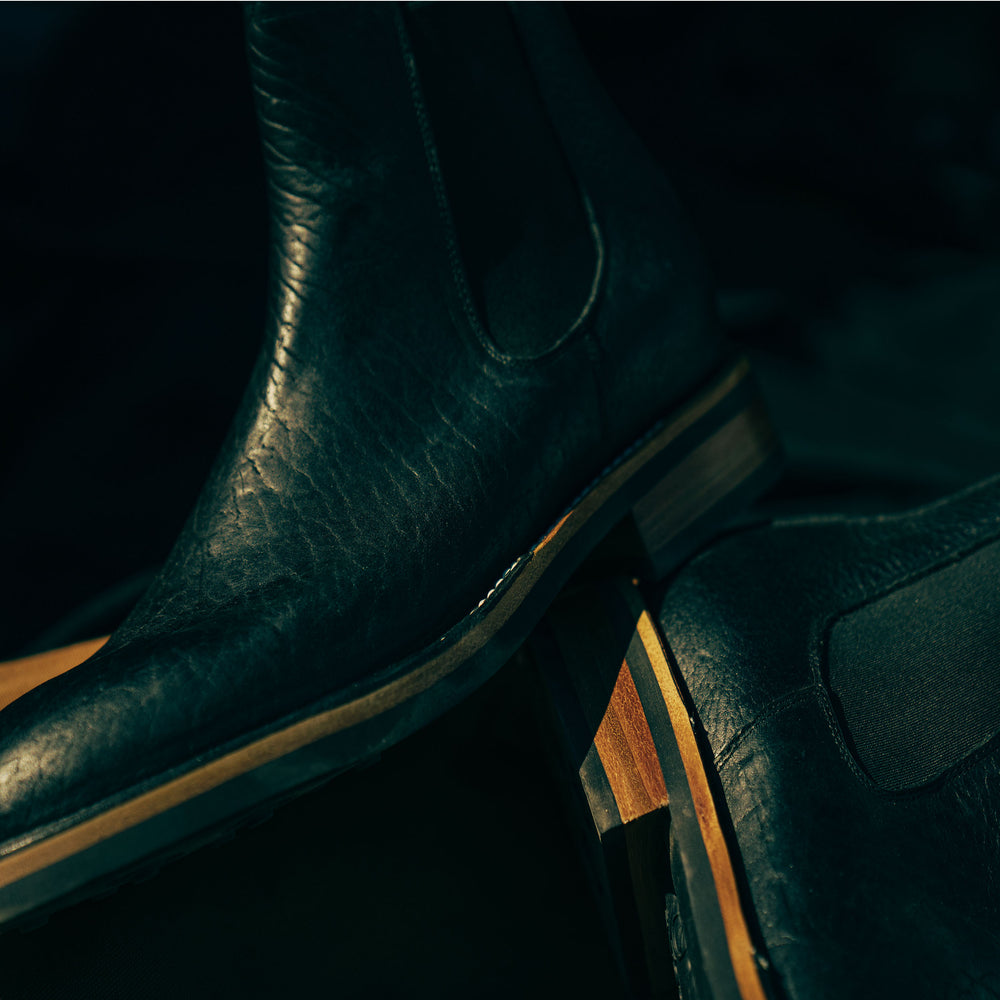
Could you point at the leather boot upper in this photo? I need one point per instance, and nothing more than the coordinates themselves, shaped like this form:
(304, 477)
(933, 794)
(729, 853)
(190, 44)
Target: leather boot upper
(389, 462)
(837, 672)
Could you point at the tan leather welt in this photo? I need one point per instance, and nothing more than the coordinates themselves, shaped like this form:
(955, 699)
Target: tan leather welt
(25, 860)
(742, 953)
(628, 754)
(18, 677)
(34, 857)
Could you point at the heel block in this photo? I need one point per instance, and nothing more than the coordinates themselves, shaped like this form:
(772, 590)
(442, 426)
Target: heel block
(729, 467)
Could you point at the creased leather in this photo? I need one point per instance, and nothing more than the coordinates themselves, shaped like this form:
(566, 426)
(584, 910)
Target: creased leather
(387, 463)
(858, 893)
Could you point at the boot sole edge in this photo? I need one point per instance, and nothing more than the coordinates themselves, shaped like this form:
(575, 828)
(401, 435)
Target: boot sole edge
(704, 457)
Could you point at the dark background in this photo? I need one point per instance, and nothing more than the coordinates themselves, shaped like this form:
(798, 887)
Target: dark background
(842, 163)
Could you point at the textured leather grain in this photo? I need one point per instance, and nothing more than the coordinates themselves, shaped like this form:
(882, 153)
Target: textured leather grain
(858, 891)
(388, 462)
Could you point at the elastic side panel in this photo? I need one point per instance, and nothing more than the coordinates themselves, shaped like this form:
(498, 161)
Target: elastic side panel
(917, 672)
(524, 236)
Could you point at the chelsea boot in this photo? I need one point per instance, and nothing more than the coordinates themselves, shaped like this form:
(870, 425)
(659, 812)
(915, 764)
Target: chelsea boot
(489, 341)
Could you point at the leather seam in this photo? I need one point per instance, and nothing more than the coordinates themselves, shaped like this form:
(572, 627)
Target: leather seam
(819, 643)
(459, 276)
(775, 707)
(873, 594)
(437, 181)
(817, 657)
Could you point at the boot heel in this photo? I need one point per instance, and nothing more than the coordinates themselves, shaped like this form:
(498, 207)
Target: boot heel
(730, 466)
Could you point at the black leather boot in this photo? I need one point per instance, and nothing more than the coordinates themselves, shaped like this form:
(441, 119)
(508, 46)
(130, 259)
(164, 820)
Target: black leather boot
(822, 701)
(444, 420)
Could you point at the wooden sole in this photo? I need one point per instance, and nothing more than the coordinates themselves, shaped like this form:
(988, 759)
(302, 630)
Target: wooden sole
(628, 750)
(715, 448)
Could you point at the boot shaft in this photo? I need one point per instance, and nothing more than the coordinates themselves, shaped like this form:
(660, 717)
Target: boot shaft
(468, 148)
